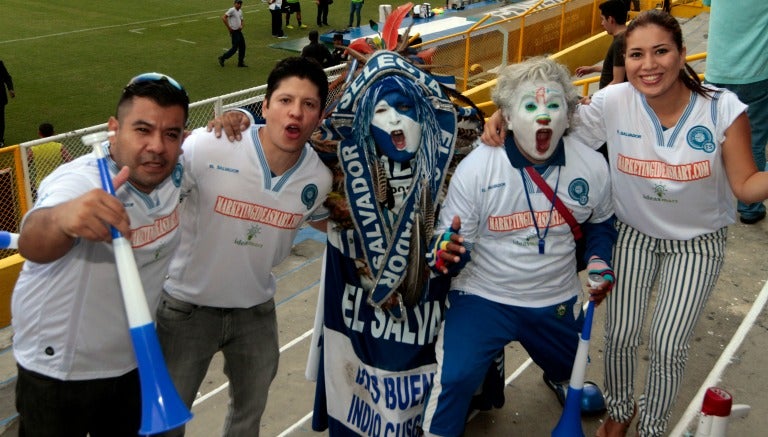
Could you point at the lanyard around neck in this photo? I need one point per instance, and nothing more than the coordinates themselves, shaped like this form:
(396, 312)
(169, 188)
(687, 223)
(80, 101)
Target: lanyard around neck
(533, 213)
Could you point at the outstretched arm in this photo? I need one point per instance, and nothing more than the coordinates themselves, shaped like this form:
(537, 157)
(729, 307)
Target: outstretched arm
(49, 233)
(587, 69)
(748, 184)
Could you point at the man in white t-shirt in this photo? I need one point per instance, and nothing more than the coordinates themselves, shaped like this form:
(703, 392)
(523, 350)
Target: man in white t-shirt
(240, 212)
(77, 371)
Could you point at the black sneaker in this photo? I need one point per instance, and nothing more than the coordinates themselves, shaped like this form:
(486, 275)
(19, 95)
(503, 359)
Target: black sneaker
(559, 388)
(241, 65)
(592, 401)
(221, 61)
(751, 220)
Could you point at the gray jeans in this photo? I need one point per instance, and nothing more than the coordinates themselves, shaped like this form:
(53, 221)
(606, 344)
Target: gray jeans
(190, 335)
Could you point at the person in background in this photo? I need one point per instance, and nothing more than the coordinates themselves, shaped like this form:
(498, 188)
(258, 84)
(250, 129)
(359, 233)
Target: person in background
(322, 12)
(355, 8)
(633, 5)
(613, 18)
(317, 51)
(251, 201)
(44, 158)
(680, 155)
(233, 19)
(736, 60)
(293, 6)
(521, 283)
(77, 371)
(5, 82)
(276, 11)
(339, 53)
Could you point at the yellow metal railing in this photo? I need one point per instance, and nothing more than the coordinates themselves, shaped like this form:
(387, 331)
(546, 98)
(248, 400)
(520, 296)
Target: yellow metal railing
(496, 39)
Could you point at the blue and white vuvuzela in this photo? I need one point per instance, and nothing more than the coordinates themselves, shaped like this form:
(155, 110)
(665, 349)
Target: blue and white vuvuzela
(9, 240)
(569, 424)
(161, 407)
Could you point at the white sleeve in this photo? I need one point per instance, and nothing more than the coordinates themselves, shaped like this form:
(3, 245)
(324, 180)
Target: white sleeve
(588, 126)
(603, 210)
(728, 109)
(62, 185)
(187, 159)
(461, 201)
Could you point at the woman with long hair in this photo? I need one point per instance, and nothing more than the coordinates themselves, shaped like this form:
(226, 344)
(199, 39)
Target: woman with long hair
(679, 155)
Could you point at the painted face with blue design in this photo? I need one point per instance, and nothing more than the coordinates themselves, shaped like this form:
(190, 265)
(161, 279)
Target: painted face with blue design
(538, 118)
(395, 127)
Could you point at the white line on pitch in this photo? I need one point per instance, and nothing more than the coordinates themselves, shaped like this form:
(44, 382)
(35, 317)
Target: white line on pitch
(186, 41)
(114, 26)
(296, 425)
(218, 389)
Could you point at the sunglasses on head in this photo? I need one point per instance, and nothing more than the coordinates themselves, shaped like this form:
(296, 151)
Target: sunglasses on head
(155, 77)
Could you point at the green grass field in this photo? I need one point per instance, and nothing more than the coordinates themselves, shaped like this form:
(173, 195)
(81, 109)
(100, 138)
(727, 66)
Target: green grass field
(70, 58)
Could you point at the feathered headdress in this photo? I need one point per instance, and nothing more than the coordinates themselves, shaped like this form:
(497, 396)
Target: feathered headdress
(390, 242)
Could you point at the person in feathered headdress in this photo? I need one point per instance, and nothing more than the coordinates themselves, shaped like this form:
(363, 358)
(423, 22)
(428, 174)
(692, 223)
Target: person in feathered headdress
(393, 135)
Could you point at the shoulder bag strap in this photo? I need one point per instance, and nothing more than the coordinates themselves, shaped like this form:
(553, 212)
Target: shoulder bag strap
(547, 190)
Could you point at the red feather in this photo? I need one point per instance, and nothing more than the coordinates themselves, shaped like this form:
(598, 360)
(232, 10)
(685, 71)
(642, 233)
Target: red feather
(392, 25)
(361, 46)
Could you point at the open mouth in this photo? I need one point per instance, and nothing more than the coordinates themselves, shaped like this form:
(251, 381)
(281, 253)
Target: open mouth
(398, 139)
(293, 131)
(651, 79)
(543, 140)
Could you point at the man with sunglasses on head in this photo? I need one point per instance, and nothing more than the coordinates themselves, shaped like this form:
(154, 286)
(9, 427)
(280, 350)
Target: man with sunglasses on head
(77, 372)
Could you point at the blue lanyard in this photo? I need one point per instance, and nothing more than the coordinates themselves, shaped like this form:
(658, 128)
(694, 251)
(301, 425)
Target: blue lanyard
(533, 214)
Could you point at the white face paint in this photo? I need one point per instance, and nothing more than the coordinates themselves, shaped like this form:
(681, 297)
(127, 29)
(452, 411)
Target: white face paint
(538, 117)
(394, 126)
